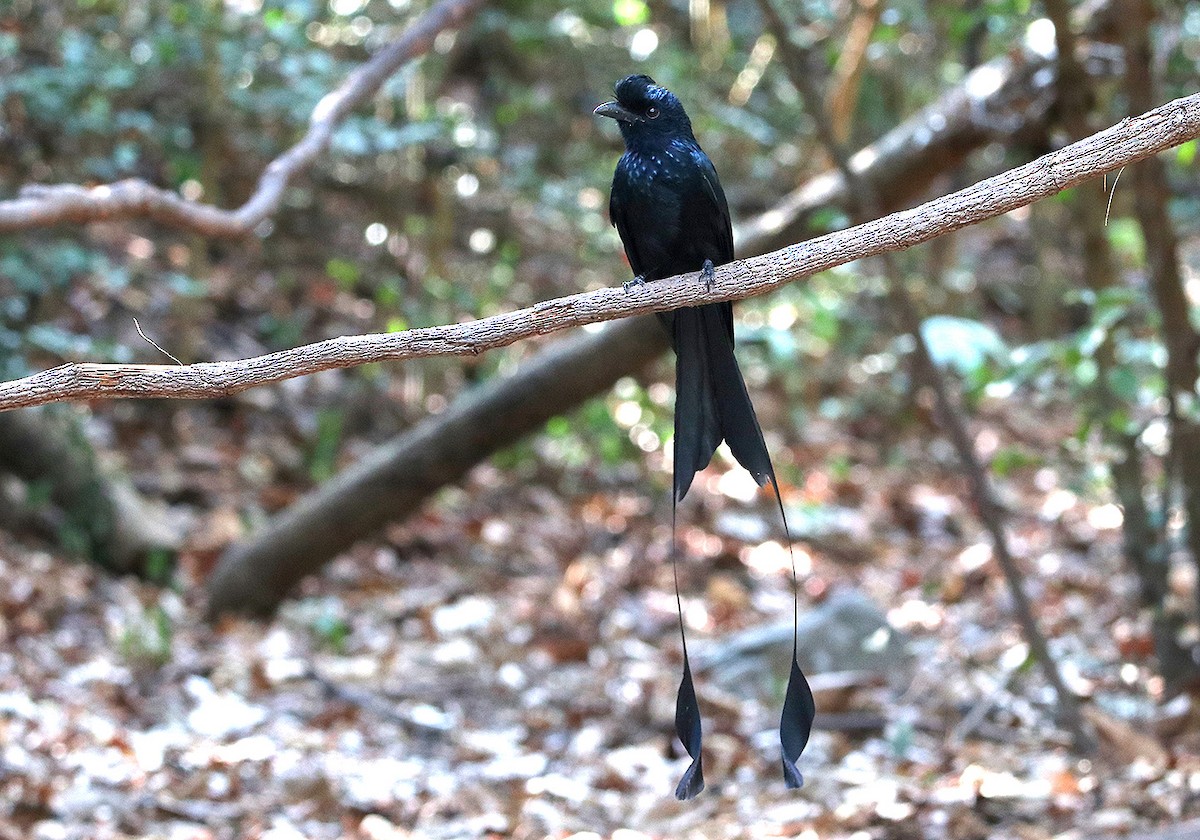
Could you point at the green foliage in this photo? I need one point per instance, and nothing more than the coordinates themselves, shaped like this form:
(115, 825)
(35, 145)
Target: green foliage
(1071, 365)
(962, 344)
(630, 12)
(145, 638)
(1185, 155)
(345, 272)
(323, 460)
(901, 736)
(1125, 236)
(36, 273)
(332, 631)
(160, 566)
(1009, 459)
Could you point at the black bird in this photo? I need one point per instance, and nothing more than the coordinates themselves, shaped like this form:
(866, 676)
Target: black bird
(669, 208)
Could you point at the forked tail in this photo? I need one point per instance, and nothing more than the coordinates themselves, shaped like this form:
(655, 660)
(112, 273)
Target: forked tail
(711, 405)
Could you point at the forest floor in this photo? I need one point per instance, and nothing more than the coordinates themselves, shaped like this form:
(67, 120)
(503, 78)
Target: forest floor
(505, 663)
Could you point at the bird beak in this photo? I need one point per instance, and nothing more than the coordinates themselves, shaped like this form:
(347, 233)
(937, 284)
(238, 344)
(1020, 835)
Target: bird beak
(616, 111)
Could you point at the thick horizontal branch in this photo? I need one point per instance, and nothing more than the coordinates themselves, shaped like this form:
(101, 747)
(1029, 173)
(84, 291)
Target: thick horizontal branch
(48, 204)
(1127, 142)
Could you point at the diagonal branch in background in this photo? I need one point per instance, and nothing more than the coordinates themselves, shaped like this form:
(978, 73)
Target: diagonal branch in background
(1006, 100)
(94, 510)
(367, 495)
(1127, 142)
(44, 205)
(397, 477)
(989, 509)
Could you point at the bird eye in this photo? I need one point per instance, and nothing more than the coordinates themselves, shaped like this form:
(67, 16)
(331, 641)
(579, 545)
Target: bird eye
(652, 112)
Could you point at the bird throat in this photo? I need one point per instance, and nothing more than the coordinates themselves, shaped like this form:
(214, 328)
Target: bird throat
(656, 162)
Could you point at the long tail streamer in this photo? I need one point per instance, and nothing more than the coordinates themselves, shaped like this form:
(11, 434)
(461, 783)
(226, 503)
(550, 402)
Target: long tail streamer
(799, 708)
(712, 404)
(687, 710)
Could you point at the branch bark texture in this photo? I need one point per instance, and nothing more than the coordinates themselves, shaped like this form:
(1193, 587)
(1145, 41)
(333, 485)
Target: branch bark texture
(43, 205)
(1129, 141)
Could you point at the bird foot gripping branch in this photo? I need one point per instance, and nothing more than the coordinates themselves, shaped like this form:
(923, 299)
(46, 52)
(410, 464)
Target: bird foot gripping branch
(671, 213)
(634, 283)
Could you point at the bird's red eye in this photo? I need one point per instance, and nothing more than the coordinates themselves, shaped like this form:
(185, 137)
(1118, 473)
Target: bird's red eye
(652, 112)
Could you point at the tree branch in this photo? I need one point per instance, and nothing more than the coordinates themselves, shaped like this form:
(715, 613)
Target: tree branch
(1127, 142)
(1006, 99)
(40, 205)
(98, 511)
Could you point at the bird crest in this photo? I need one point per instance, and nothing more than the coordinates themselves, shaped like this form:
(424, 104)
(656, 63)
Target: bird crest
(643, 109)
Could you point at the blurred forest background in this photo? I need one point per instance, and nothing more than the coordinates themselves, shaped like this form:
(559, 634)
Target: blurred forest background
(433, 599)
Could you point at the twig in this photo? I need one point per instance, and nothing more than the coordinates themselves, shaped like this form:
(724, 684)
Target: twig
(990, 512)
(154, 343)
(42, 205)
(1112, 194)
(974, 718)
(377, 704)
(1130, 140)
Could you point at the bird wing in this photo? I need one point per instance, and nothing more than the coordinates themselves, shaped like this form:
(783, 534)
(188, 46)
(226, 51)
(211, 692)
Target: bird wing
(622, 213)
(708, 219)
(716, 222)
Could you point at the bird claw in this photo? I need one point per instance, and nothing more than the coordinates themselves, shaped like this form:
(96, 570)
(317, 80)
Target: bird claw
(634, 283)
(708, 274)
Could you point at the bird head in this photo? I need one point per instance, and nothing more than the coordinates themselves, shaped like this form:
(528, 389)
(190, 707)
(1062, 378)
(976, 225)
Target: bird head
(645, 110)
